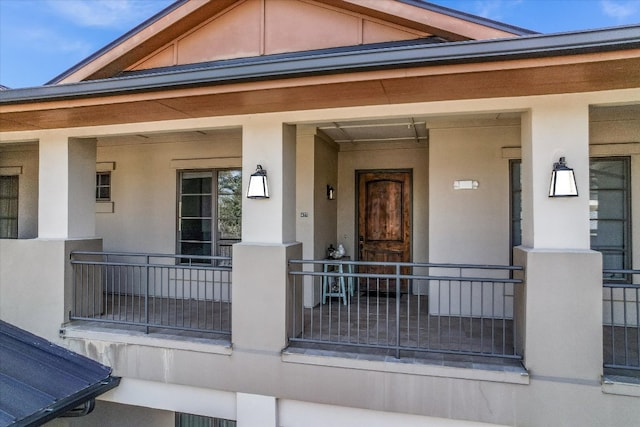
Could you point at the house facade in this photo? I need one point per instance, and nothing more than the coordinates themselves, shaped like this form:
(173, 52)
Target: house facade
(419, 138)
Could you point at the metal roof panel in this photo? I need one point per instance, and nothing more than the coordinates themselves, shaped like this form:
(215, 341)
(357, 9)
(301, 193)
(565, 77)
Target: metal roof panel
(40, 381)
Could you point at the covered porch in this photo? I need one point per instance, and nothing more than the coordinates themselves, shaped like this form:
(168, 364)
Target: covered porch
(461, 213)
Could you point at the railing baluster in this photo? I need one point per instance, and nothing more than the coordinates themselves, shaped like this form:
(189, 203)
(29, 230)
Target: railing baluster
(137, 287)
(398, 311)
(621, 352)
(375, 324)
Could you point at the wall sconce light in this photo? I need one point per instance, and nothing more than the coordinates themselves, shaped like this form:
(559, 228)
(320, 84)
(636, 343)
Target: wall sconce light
(563, 181)
(258, 186)
(331, 194)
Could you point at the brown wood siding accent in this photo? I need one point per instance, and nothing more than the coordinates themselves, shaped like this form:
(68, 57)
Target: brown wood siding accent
(377, 88)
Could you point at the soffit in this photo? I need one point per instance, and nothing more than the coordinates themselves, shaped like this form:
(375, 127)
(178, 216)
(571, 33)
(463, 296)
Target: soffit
(455, 82)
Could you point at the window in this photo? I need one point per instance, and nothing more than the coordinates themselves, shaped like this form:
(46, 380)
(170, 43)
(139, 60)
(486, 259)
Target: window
(209, 211)
(8, 207)
(610, 210)
(609, 204)
(516, 202)
(190, 420)
(103, 186)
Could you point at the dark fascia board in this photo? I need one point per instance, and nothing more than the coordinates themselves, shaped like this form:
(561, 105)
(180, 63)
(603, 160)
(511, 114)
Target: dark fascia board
(353, 59)
(67, 404)
(469, 17)
(164, 12)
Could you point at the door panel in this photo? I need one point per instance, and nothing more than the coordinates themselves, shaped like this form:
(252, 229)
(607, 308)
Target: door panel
(384, 223)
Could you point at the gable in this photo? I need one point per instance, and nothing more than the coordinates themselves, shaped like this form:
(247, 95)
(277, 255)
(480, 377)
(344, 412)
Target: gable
(195, 31)
(253, 28)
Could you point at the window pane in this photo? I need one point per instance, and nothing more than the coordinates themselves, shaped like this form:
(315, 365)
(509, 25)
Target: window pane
(196, 206)
(229, 216)
(607, 173)
(229, 228)
(196, 229)
(8, 207)
(189, 420)
(612, 261)
(196, 182)
(607, 234)
(609, 210)
(611, 204)
(104, 193)
(188, 248)
(229, 182)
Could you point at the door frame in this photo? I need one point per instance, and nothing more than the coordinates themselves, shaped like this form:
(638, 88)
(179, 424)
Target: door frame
(356, 203)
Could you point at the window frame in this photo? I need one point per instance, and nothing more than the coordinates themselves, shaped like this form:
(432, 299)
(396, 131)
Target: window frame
(627, 247)
(183, 419)
(217, 242)
(100, 185)
(14, 234)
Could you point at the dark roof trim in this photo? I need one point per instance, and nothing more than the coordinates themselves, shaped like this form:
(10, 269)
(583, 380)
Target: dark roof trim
(67, 404)
(164, 12)
(344, 60)
(469, 17)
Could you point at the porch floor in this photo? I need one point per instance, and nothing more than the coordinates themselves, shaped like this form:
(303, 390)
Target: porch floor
(373, 322)
(166, 316)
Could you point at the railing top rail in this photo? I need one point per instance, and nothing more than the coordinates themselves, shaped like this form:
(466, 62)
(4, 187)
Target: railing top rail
(150, 255)
(412, 264)
(621, 271)
(208, 267)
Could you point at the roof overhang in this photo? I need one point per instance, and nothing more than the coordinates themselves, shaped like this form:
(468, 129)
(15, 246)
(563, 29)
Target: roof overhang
(41, 381)
(362, 75)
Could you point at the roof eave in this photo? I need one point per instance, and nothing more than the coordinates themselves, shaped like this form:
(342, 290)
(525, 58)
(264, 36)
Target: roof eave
(341, 61)
(65, 405)
(164, 12)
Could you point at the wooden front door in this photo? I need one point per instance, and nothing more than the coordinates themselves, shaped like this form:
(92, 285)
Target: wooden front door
(384, 223)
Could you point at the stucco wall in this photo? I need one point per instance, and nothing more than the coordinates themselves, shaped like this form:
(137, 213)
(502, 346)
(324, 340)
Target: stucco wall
(470, 226)
(383, 156)
(144, 186)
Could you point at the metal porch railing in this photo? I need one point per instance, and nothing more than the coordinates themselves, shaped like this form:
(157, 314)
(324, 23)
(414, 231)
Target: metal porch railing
(621, 319)
(160, 291)
(444, 308)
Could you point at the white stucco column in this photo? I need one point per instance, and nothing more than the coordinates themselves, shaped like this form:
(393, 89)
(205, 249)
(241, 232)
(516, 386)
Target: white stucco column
(262, 296)
(557, 128)
(67, 180)
(271, 144)
(559, 308)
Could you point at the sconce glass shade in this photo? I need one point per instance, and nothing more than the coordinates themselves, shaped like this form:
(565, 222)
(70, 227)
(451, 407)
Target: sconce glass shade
(258, 186)
(331, 194)
(563, 180)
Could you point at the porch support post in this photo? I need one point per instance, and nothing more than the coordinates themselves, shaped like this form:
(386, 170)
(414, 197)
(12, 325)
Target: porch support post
(67, 177)
(261, 294)
(559, 309)
(271, 144)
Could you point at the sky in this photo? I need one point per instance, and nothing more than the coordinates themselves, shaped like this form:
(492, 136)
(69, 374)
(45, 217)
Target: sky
(40, 39)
